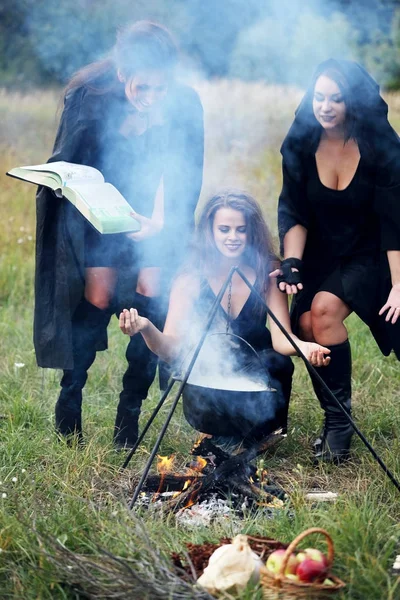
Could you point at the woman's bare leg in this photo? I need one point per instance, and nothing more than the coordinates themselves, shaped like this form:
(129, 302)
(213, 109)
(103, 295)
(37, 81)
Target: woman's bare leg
(148, 283)
(327, 315)
(100, 285)
(305, 327)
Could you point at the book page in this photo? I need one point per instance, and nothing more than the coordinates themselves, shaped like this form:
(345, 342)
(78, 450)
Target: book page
(105, 203)
(51, 180)
(68, 172)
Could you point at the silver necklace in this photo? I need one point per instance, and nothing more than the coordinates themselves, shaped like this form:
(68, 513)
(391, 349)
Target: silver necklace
(228, 317)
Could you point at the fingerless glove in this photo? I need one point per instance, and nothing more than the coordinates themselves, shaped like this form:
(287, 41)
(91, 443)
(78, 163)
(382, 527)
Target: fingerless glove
(288, 276)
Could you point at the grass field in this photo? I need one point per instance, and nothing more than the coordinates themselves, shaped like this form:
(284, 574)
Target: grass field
(51, 492)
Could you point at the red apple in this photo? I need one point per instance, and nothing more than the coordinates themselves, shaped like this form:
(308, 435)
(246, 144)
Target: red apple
(275, 560)
(315, 554)
(309, 570)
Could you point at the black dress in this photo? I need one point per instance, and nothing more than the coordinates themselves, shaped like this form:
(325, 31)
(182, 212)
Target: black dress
(88, 134)
(342, 249)
(348, 232)
(225, 413)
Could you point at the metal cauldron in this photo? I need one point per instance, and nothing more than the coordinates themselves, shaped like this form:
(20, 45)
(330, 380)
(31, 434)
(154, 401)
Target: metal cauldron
(228, 392)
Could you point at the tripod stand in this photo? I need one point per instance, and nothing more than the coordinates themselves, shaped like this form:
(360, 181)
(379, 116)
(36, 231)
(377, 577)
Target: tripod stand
(188, 371)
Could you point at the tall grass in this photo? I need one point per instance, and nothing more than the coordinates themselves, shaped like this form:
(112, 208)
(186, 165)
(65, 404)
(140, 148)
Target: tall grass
(49, 491)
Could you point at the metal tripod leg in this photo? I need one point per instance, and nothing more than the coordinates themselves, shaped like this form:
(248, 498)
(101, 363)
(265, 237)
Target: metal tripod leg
(149, 422)
(322, 382)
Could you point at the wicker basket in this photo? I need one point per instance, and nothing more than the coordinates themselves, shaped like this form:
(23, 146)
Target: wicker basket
(278, 587)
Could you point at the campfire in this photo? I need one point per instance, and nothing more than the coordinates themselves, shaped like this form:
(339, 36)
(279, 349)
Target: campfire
(213, 484)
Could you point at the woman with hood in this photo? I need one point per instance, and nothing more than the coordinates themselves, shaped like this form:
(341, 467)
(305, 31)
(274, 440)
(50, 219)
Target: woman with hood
(127, 116)
(339, 224)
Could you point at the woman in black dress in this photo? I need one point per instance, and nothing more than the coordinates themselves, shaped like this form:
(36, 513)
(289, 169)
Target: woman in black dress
(231, 232)
(339, 223)
(129, 118)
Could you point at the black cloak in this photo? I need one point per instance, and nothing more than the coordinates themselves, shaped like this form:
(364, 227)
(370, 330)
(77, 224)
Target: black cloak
(379, 147)
(87, 135)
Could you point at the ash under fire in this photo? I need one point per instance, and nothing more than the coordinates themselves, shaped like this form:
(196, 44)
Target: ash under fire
(213, 487)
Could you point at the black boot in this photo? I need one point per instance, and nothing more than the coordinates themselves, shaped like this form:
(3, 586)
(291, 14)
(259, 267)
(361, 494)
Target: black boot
(333, 445)
(89, 324)
(138, 377)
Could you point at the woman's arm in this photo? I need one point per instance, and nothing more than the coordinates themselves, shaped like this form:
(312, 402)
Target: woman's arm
(294, 242)
(315, 353)
(166, 344)
(292, 223)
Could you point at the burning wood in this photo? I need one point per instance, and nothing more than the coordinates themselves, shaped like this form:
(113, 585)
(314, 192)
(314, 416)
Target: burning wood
(205, 483)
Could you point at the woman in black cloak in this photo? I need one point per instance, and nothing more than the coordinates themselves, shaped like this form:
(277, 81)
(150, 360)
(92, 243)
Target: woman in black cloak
(126, 116)
(339, 224)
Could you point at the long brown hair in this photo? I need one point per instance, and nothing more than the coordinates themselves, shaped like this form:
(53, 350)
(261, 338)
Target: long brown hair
(144, 45)
(259, 252)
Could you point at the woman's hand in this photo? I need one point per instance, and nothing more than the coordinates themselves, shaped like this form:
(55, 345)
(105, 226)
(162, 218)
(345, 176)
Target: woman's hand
(288, 277)
(392, 305)
(148, 228)
(315, 353)
(131, 323)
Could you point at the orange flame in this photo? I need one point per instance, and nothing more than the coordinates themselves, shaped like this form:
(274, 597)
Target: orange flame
(165, 463)
(185, 487)
(164, 466)
(198, 464)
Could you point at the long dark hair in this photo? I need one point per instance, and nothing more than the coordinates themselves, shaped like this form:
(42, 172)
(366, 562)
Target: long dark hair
(259, 253)
(366, 116)
(144, 45)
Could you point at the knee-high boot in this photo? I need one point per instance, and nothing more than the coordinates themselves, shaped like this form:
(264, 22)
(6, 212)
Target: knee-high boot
(333, 445)
(138, 377)
(89, 323)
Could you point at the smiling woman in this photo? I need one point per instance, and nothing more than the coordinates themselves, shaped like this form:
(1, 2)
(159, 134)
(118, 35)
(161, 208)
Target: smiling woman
(339, 222)
(328, 104)
(231, 231)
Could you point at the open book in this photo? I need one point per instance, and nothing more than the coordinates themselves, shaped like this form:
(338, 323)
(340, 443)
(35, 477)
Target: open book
(99, 202)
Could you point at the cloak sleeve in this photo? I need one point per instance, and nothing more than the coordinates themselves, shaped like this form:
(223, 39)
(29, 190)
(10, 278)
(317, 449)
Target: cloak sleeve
(183, 173)
(59, 246)
(387, 207)
(387, 197)
(292, 206)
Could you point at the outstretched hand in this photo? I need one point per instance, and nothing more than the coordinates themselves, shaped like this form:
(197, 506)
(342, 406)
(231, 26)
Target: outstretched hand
(131, 323)
(392, 305)
(316, 354)
(148, 228)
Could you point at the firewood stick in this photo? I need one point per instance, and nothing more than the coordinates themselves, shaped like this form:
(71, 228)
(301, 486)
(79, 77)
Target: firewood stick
(235, 463)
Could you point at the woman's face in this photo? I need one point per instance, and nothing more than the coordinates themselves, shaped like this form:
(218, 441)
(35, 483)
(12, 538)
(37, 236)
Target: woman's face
(328, 104)
(229, 231)
(145, 89)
